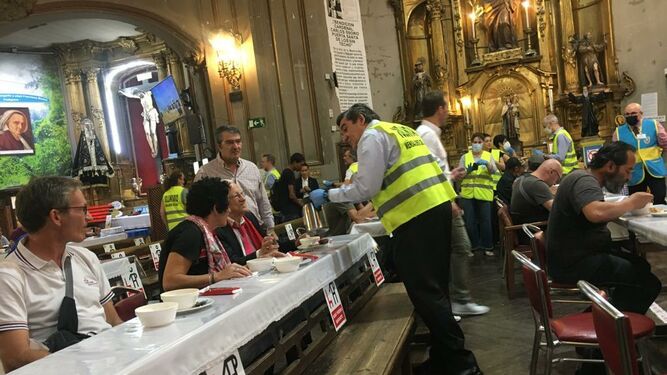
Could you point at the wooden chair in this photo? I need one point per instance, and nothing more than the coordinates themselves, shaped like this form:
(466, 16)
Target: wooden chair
(576, 330)
(538, 242)
(510, 241)
(614, 332)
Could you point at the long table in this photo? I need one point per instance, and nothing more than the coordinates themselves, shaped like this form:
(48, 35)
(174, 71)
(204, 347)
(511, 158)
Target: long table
(202, 340)
(651, 228)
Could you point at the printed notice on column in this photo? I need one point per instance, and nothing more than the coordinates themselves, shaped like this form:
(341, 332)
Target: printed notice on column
(348, 52)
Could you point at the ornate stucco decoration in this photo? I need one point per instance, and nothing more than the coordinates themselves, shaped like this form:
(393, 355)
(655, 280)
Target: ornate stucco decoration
(628, 84)
(540, 12)
(458, 28)
(502, 56)
(12, 10)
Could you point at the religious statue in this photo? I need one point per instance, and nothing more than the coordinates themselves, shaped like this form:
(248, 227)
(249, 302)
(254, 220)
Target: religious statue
(90, 164)
(500, 24)
(588, 51)
(150, 115)
(510, 115)
(589, 120)
(421, 84)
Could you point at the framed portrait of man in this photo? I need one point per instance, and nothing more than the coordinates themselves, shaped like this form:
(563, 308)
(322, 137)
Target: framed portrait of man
(16, 136)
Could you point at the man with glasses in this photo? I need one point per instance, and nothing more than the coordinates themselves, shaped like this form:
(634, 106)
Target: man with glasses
(34, 278)
(649, 139)
(562, 146)
(532, 194)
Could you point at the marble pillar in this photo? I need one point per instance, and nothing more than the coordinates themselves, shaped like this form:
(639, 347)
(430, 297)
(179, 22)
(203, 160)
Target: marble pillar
(95, 108)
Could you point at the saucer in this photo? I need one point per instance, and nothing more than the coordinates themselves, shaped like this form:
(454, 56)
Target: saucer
(305, 261)
(202, 303)
(304, 247)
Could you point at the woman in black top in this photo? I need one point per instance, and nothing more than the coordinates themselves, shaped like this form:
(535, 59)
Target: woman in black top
(193, 257)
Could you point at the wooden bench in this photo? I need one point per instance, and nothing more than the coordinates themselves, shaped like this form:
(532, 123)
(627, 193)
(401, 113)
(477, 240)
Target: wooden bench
(375, 341)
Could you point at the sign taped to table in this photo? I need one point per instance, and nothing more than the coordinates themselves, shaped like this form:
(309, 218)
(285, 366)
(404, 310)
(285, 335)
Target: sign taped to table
(375, 267)
(232, 365)
(335, 305)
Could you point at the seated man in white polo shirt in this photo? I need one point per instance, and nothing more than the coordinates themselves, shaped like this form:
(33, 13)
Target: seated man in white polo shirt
(32, 278)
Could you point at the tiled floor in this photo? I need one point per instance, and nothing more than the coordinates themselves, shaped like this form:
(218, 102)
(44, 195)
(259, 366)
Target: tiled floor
(502, 339)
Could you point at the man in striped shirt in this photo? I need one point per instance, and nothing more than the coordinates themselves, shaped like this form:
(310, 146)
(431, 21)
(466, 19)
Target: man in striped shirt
(230, 166)
(54, 212)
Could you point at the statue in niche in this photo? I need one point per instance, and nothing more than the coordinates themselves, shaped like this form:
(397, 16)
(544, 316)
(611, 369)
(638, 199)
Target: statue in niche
(421, 84)
(510, 115)
(500, 26)
(150, 115)
(90, 164)
(588, 51)
(589, 120)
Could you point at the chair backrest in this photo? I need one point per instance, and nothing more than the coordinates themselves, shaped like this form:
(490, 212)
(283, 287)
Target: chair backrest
(538, 242)
(614, 333)
(535, 281)
(510, 239)
(125, 307)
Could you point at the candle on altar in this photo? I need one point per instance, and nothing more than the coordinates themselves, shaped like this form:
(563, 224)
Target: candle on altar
(473, 17)
(551, 99)
(526, 5)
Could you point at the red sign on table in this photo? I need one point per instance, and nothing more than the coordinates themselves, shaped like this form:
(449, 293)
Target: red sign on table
(335, 305)
(375, 267)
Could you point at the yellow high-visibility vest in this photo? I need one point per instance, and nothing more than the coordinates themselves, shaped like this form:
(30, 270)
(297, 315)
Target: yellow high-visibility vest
(478, 184)
(496, 176)
(570, 163)
(414, 184)
(174, 206)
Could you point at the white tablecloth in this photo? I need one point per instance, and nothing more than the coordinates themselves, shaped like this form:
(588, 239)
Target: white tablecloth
(94, 241)
(653, 229)
(132, 222)
(203, 339)
(374, 228)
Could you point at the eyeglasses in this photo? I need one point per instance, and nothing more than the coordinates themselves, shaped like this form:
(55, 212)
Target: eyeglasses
(83, 208)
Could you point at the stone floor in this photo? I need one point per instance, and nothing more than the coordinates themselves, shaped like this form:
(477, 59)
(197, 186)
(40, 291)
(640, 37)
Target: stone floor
(502, 339)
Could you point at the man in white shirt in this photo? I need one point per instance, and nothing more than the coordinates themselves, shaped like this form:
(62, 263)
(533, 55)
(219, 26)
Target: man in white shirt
(230, 166)
(434, 109)
(54, 212)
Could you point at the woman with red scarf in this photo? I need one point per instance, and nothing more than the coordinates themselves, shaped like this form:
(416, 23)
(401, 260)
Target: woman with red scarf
(192, 256)
(242, 237)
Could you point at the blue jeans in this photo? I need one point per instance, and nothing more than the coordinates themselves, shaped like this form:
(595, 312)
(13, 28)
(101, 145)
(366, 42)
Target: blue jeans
(477, 215)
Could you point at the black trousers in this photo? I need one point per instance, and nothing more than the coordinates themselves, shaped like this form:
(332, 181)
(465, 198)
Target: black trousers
(422, 249)
(657, 186)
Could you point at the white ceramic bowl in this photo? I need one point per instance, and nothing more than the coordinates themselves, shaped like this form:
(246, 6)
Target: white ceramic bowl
(157, 314)
(310, 241)
(260, 264)
(287, 264)
(185, 298)
(642, 211)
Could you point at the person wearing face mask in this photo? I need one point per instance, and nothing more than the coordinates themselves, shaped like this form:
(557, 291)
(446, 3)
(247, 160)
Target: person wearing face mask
(649, 138)
(477, 194)
(579, 242)
(563, 145)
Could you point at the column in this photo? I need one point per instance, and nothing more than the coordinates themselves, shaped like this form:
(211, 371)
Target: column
(74, 91)
(439, 70)
(569, 55)
(95, 109)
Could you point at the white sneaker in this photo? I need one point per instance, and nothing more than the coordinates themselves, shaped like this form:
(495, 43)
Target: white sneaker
(457, 318)
(469, 308)
(489, 253)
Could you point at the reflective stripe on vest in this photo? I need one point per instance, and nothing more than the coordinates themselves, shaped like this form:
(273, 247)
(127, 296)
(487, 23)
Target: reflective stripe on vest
(570, 161)
(353, 168)
(496, 176)
(174, 206)
(477, 184)
(414, 184)
(649, 152)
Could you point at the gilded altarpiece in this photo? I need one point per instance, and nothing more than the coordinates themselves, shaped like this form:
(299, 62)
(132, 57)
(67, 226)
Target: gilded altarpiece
(532, 57)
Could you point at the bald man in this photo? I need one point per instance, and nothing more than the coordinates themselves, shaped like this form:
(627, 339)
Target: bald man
(532, 194)
(649, 138)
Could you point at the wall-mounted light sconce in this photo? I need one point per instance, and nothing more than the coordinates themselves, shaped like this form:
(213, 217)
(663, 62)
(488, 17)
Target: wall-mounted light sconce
(226, 46)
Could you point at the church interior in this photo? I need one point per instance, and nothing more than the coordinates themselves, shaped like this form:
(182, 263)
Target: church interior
(120, 94)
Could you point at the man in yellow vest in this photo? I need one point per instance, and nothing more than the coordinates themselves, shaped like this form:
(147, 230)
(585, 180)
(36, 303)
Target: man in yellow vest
(413, 200)
(269, 172)
(173, 200)
(500, 162)
(649, 139)
(563, 145)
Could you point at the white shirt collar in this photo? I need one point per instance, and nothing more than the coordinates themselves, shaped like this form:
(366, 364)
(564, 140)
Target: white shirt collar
(432, 126)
